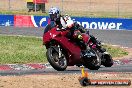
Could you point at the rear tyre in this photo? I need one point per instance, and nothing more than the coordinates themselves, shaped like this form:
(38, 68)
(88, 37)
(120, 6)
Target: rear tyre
(59, 64)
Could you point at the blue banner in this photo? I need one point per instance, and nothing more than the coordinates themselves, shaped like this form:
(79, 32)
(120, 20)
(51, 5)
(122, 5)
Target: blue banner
(95, 23)
(39, 21)
(6, 20)
(104, 23)
(90, 23)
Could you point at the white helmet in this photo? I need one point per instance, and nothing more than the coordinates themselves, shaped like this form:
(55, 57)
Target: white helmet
(54, 13)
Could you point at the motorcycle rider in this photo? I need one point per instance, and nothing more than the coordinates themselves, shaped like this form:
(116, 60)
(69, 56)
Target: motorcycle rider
(64, 22)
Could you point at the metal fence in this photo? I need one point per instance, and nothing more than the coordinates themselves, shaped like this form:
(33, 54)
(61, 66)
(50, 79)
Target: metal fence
(92, 8)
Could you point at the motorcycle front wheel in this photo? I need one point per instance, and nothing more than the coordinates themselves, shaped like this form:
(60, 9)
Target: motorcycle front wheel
(58, 63)
(94, 62)
(107, 60)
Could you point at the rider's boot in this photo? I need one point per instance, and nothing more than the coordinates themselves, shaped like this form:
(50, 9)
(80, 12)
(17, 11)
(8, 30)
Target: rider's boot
(98, 44)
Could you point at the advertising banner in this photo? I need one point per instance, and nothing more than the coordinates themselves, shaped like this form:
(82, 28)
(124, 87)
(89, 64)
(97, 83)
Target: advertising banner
(30, 21)
(89, 23)
(22, 21)
(39, 21)
(105, 23)
(6, 20)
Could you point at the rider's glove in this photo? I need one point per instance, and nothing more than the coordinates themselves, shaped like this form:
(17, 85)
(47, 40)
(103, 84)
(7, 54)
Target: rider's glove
(70, 23)
(80, 37)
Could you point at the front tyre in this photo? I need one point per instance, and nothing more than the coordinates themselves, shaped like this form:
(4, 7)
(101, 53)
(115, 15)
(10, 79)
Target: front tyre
(94, 62)
(58, 63)
(107, 60)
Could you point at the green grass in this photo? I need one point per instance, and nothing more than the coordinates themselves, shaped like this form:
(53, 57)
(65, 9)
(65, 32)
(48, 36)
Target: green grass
(78, 14)
(22, 12)
(18, 49)
(101, 14)
(115, 51)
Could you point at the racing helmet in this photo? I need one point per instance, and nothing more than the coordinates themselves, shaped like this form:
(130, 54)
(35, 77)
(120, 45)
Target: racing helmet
(54, 13)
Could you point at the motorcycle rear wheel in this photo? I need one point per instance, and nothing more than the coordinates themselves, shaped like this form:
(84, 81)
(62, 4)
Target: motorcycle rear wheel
(59, 64)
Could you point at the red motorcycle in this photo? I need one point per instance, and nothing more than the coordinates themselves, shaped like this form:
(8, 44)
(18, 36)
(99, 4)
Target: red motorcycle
(63, 52)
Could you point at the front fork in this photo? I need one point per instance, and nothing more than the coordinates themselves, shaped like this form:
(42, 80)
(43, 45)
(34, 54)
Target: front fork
(60, 53)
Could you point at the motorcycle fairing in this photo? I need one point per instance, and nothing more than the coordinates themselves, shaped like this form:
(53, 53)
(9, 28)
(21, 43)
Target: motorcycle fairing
(74, 51)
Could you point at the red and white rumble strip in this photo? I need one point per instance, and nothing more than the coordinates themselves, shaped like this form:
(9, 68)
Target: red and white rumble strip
(38, 66)
(23, 66)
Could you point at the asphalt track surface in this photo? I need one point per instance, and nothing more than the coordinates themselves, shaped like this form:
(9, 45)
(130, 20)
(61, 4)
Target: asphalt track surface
(116, 37)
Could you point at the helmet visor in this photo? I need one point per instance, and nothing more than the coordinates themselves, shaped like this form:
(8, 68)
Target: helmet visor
(53, 17)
